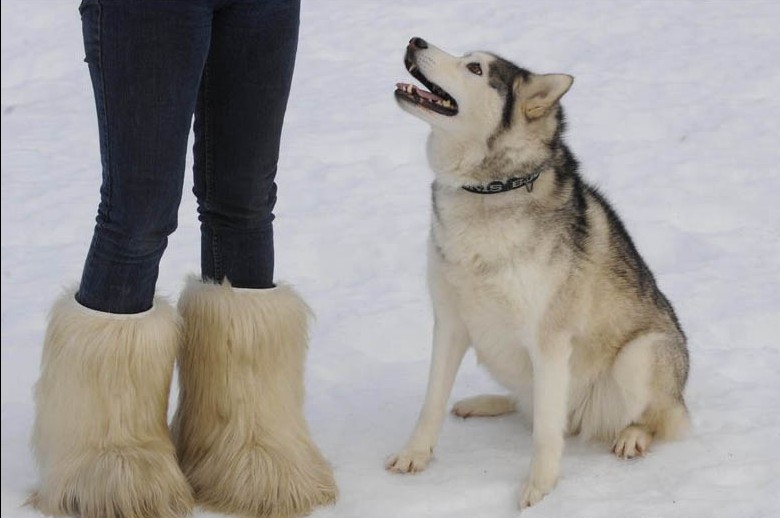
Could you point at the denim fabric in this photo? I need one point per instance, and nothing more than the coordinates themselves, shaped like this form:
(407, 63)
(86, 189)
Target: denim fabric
(154, 64)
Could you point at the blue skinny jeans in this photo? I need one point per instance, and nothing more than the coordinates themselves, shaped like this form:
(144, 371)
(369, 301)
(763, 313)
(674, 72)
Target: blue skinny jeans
(154, 64)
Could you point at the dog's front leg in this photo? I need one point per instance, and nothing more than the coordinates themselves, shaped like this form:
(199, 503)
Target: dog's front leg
(450, 342)
(551, 386)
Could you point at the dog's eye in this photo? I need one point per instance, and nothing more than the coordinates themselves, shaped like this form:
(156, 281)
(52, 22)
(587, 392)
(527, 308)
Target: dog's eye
(475, 68)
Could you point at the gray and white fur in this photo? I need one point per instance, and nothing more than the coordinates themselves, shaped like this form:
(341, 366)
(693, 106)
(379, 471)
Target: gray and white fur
(546, 285)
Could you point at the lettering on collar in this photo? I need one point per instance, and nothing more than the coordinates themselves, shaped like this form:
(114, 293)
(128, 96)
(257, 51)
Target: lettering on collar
(508, 185)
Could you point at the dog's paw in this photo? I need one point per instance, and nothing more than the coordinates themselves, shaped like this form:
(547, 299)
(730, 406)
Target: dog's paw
(632, 442)
(532, 492)
(409, 461)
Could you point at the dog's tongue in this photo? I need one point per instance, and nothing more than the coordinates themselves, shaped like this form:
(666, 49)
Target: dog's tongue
(428, 96)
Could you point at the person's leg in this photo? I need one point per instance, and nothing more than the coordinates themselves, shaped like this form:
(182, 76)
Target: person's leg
(238, 124)
(145, 60)
(101, 435)
(240, 431)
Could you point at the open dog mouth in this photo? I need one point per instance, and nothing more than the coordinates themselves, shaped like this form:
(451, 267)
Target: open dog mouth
(436, 99)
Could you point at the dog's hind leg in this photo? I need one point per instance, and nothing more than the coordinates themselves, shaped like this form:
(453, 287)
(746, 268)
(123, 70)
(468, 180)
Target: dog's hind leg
(669, 423)
(487, 405)
(650, 375)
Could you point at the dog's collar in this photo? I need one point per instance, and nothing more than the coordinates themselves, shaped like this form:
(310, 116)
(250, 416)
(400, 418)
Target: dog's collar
(515, 182)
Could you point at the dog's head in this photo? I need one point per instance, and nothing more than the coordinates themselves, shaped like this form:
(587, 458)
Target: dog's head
(479, 94)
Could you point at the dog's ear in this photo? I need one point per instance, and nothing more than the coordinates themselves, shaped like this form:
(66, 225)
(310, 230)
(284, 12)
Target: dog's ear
(540, 92)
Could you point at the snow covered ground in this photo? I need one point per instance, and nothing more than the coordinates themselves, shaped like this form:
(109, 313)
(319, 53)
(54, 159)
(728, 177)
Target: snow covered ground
(674, 113)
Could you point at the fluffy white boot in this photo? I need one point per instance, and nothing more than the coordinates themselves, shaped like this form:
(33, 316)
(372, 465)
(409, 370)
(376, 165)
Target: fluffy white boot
(101, 435)
(240, 432)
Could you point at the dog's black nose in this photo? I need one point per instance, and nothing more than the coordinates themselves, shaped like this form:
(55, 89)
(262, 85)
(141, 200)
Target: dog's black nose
(418, 43)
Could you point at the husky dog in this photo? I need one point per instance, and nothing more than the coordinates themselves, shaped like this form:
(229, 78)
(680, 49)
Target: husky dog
(533, 268)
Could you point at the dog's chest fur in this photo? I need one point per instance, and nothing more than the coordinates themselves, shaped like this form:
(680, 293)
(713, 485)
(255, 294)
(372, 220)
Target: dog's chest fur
(505, 267)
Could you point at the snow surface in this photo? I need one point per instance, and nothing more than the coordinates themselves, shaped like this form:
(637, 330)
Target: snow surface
(674, 114)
